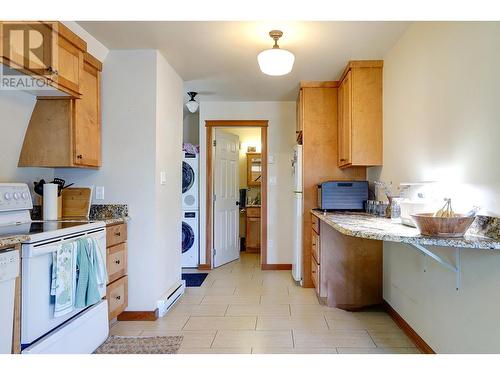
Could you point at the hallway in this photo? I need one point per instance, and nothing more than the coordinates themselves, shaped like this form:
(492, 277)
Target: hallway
(241, 309)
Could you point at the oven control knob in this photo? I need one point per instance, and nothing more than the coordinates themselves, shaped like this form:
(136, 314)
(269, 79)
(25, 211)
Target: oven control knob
(17, 196)
(25, 195)
(7, 196)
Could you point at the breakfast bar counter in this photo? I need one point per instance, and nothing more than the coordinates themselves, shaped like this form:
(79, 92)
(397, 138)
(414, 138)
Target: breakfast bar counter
(347, 253)
(372, 227)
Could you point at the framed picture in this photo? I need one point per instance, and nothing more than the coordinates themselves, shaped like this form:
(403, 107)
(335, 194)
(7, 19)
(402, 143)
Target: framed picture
(251, 149)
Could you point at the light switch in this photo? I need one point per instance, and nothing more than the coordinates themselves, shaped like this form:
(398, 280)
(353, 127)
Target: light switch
(99, 193)
(272, 180)
(163, 178)
(270, 159)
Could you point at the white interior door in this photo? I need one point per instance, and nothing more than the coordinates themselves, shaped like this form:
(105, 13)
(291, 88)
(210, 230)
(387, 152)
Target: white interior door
(226, 190)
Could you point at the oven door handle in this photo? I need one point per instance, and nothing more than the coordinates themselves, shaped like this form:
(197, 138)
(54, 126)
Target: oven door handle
(43, 250)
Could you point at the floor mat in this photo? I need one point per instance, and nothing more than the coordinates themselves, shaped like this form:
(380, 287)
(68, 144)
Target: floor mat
(140, 345)
(194, 279)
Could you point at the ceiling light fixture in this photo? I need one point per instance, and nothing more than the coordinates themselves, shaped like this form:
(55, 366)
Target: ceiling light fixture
(192, 105)
(276, 61)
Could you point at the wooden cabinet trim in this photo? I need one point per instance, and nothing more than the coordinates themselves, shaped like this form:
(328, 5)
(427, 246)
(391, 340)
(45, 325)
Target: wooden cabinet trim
(319, 84)
(361, 64)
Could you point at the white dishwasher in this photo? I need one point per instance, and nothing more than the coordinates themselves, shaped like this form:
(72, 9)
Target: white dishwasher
(9, 271)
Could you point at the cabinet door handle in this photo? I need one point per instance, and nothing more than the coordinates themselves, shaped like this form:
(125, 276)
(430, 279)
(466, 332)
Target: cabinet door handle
(79, 156)
(118, 234)
(343, 159)
(117, 261)
(118, 298)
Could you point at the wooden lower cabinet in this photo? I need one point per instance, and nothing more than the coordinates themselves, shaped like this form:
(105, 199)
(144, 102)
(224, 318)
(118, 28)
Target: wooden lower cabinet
(116, 265)
(318, 277)
(351, 270)
(315, 275)
(252, 239)
(117, 295)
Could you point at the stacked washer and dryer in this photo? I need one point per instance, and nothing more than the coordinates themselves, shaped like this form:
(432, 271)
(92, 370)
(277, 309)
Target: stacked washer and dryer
(190, 210)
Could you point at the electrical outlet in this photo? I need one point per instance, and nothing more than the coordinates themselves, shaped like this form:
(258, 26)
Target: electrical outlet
(270, 159)
(99, 193)
(272, 180)
(270, 244)
(163, 178)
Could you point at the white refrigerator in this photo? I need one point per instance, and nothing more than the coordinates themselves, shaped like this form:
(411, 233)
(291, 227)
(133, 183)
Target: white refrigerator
(298, 209)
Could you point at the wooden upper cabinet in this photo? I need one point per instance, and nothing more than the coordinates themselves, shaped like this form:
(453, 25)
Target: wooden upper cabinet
(254, 169)
(66, 132)
(87, 129)
(44, 50)
(68, 60)
(344, 128)
(360, 115)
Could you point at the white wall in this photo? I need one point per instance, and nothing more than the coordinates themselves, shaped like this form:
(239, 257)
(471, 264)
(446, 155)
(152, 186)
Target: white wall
(281, 138)
(94, 47)
(141, 135)
(15, 113)
(169, 103)
(441, 123)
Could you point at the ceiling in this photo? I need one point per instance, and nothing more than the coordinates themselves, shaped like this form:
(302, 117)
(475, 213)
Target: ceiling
(219, 59)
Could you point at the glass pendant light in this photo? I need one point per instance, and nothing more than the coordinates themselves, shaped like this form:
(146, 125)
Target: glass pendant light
(276, 61)
(192, 105)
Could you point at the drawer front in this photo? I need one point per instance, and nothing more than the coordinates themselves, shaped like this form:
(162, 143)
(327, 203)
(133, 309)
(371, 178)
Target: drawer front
(116, 261)
(315, 270)
(253, 211)
(315, 223)
(315, 247)
(116, 234)
(117, 296)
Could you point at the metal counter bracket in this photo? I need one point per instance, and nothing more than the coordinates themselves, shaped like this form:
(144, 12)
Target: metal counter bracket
(456, 268)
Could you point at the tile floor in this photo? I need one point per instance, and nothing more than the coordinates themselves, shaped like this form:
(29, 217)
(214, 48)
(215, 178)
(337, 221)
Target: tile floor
(241, 309)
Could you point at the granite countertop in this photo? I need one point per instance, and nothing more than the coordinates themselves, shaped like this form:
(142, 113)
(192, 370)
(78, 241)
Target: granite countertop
(377, 228)
(12, 241)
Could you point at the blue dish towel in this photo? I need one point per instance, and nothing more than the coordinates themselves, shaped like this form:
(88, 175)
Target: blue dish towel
(92, 275)
(63, 282)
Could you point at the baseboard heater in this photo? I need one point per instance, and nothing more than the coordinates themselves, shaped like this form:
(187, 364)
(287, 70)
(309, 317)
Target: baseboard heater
(170, 298)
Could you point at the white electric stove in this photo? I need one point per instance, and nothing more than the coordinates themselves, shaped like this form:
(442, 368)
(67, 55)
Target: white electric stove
(81, 330)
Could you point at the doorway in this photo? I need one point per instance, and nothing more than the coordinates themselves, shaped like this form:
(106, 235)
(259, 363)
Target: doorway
(225, 206)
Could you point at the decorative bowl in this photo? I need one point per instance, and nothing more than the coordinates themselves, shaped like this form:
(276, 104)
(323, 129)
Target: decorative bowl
(429, 225)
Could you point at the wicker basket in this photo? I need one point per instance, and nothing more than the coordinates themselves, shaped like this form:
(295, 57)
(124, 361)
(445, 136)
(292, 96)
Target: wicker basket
(442, 226)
